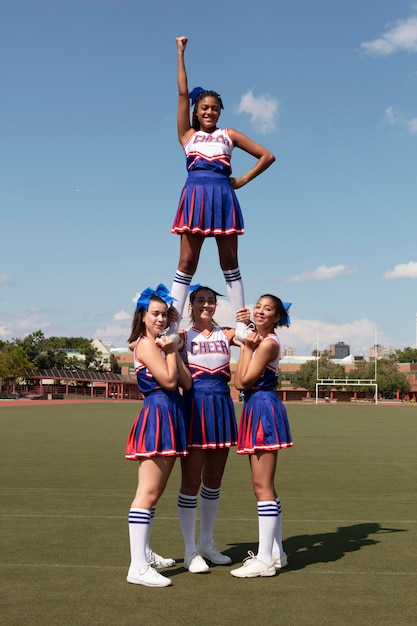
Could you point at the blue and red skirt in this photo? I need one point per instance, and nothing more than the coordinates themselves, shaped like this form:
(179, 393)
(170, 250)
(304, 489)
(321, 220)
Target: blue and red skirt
(208, 206)
(211, 420)
(159, 429)
(264, 423)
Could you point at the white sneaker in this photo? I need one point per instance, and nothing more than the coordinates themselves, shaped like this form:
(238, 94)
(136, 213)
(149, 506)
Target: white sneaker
(172, 333)
(195, 563)
(156, 560)
(212, 553)
(280, 560)
(243, 330)
(253, 567)
(148, 576)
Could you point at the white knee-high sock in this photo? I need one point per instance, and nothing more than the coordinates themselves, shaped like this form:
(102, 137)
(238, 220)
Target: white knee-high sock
(138, 528)
(267, 521)
(278, 548)
(234, 286)
(179, 291)
(148, 534)
(187, 513)
(209, 503)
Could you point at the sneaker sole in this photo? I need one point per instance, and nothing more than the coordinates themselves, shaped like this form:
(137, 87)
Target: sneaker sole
(134, 581)
(263, 575)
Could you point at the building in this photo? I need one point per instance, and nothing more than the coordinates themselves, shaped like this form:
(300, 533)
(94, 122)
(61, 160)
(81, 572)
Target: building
(339, 350)
(380, 352)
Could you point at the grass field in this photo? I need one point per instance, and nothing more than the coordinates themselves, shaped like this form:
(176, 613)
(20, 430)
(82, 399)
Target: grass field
(349, 497)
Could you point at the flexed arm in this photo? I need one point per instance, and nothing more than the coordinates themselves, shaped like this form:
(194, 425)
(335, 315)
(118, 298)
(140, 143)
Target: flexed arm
(264, 157)
(183, 114)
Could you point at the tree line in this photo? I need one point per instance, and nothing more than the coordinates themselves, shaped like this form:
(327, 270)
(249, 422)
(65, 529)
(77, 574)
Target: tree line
(39, 352)
(388, 378)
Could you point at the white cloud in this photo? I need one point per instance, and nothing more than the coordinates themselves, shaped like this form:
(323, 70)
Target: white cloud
(114, 334)
(303, 336)
(323, 273)
(398, 37)
(122, 315)
(392, 117)
(5, 331)
(403, 270)
(412, 125)
(263, 111)
(4, 278)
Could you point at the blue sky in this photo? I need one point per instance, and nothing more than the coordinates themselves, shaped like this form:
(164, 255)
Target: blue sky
(91, 168)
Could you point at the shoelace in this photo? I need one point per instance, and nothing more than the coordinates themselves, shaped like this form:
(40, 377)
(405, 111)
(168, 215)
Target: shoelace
(249, 558)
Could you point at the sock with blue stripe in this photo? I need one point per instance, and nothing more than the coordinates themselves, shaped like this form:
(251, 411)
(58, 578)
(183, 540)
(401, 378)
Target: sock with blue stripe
(267, 522)
(179, 291)
(209, 503)
(278, 548)
(139, 520)
(187, 513)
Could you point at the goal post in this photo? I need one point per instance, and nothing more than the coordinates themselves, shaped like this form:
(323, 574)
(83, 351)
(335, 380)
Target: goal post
(346, 382)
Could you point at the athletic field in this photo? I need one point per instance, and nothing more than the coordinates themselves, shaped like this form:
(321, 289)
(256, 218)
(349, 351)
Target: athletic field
(349, 495)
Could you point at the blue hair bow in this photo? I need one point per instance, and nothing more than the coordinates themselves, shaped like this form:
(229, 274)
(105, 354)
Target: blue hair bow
(285, 319)
(161, 291)
(192, 288)
(193, 95)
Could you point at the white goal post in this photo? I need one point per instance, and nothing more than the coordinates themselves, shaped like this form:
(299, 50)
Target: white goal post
(346, 382)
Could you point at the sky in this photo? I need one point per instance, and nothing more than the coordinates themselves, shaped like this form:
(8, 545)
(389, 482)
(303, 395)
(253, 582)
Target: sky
(91, 169)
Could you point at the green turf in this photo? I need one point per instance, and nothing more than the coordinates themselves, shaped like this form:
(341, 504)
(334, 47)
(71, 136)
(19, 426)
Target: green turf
(348, 490)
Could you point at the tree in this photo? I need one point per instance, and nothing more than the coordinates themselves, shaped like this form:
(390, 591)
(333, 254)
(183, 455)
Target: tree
(115, 367)
(306, 376)
(408, 355)
(13, 363)
(51, 352)
(388, 378)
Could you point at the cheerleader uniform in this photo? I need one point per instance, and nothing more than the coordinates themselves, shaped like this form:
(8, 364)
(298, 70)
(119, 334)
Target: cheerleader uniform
(264, 422)
(159, 429)
(209, 410)
(208, 205)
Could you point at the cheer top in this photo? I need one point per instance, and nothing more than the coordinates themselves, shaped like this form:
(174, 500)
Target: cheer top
(208, 357)
(210, 151)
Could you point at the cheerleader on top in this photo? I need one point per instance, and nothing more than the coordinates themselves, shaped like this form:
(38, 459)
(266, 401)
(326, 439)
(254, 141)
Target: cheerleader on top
(208, 204)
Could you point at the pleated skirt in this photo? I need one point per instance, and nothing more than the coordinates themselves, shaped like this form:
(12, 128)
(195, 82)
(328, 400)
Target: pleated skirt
(211, 420)
(264, 423)
(159, 429)
(208, 206)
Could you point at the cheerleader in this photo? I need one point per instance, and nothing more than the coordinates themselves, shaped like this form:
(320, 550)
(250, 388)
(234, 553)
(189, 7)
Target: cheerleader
(158, 434)
(208, 204)
(211, 428)
(263, 430)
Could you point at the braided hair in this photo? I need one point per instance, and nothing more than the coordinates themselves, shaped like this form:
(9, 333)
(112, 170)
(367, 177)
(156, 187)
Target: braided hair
(204, 94)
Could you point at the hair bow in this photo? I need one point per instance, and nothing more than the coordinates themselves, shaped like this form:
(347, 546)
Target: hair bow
(197, 286)
(161, 291)
(193, 95)
(285, 319)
